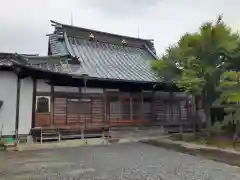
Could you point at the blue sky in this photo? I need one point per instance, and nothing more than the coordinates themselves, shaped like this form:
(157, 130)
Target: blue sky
(25, 23)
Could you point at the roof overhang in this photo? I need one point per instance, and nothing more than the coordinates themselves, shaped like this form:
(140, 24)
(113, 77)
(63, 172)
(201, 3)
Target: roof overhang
(68, 79)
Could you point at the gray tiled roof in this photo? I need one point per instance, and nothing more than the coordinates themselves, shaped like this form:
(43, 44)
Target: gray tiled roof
(109, 61)
(106, 60)
(60, 64)
(57, 64)
(9, 59)
(57, 47)
(5, 62)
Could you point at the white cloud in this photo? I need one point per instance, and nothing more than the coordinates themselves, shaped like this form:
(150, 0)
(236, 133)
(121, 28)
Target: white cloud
(25, 23)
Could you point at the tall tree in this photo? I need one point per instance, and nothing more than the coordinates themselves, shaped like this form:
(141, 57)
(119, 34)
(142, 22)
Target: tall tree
(196, 62)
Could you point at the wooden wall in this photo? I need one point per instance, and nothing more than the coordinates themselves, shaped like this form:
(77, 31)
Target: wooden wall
(97, 109)
(177, 111)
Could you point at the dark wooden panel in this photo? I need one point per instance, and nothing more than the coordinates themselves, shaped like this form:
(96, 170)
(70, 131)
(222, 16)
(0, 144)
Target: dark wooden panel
(129, 109)
(97, 110)
(171, 111)
(160, 108)
(42, 119)
(59, 109)
(183, 111)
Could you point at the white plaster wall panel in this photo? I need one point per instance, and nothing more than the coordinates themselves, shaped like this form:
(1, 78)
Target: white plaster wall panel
(8, 93)
(25, 110)
(167, 94)
(162, 94)
(180, 94)
(66, 89)
(42, 86)
(92, 90)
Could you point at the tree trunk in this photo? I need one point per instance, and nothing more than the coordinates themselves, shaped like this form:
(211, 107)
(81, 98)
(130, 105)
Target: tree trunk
(236, 134)
(195, 100)
(207, 111)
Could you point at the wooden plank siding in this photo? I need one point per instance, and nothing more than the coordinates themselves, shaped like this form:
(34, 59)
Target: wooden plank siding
(42, 120)
(175, 112)
(59, 110)
(97, 120)
(129, 109)
(92, 110)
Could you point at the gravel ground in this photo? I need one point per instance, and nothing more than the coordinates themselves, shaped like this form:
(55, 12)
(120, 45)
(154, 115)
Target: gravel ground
(135, 161)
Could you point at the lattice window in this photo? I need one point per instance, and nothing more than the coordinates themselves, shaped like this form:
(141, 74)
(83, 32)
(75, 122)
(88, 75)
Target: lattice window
(147, 106)
(43, 104)
(172, 112)
(136, 105)
(125, 106)
(85, 106)
(73, 106)
(115, 107)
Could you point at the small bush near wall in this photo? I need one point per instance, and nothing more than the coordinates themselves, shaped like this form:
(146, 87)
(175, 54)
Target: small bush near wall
(218, 140)
(190, 137)
(2, 145)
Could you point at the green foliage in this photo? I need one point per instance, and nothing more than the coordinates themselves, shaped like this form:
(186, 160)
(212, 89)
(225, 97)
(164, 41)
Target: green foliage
(2, 145)
(233, 117)
(230, 87)
(189, 137)
(216, 128)
(198, 59)
(190, 82)
(196, 62)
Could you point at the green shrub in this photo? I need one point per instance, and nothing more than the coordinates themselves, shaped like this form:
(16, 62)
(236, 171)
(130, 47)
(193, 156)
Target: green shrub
(189, 137)
(2, 145)
(177, 137)
(216, 128)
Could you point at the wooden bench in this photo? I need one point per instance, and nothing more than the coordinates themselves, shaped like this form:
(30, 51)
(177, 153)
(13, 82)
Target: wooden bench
(51, 134)
(44, 134)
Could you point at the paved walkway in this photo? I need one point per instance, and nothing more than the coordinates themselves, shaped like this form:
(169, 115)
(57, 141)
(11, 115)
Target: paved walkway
(120, 136)
(198, 146)
(62, 144)
(127, 161)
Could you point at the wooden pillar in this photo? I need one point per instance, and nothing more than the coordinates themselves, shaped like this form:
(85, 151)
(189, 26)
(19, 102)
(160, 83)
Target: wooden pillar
(171, 104)
(106, 120)
(17, 108)
(131, 106)
(34, 102)
(141, 105)
(180, 110)
(66, 118)
(52, 105)
(79, 106)
(153, 108)
(187, 108)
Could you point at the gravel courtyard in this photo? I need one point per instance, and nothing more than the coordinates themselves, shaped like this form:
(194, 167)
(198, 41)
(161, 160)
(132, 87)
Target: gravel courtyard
(134, 161)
